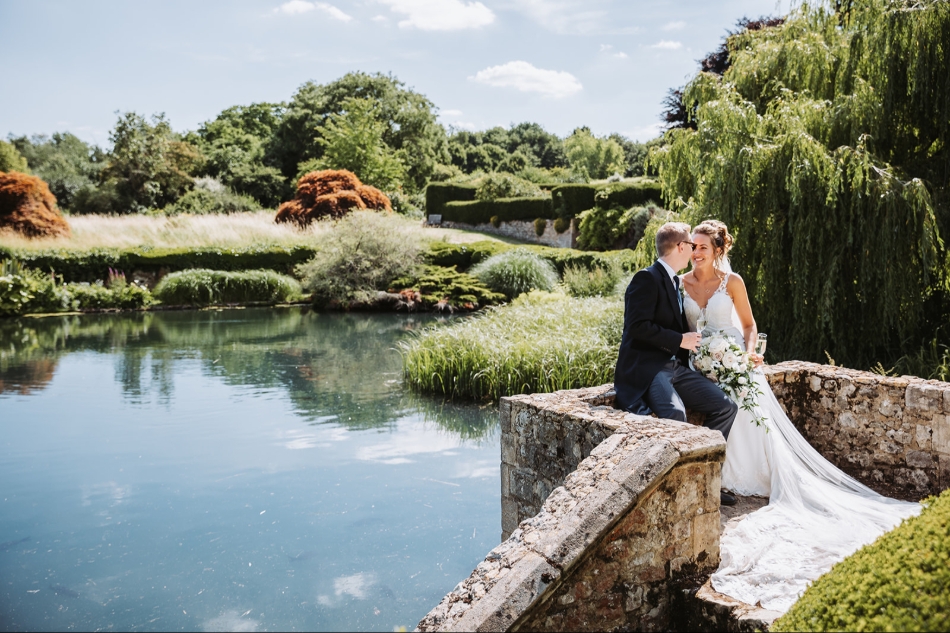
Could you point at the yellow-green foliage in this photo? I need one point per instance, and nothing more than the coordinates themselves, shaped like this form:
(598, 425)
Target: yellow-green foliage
(824, 148)
(208, 287)
(901, 582)
(540, 342)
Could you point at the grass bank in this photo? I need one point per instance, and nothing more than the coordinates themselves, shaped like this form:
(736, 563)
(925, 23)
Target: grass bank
(540, 342)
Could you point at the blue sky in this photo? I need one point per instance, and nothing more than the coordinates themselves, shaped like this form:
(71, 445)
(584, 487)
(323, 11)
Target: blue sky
(606, 64)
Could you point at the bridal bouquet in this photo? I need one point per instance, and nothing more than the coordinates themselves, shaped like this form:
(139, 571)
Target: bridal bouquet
(721, 360)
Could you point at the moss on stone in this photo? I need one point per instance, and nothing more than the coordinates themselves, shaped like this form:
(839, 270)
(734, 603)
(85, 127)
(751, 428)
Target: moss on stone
(901, 582)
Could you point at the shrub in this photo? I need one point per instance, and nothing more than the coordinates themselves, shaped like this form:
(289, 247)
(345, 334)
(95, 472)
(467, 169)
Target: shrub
(447, 288)
(613, 228)
(495, 221)
(515, 272)
(330, 194)
(437, 194)
(11, 159)
(28, 207)
(412, 206)
(507, 210)
(901, 582)
(495, 186)
(363, 254)
(444, 173)
(538, 343)
(561, 225)
(591, 282)
(540, 226)
(204, 200)
(201, 287)
(571, 200)
(466, 255)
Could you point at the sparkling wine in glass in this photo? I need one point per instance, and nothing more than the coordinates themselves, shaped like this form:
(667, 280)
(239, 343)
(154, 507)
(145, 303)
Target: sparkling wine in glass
(701, 323)
(760, 344)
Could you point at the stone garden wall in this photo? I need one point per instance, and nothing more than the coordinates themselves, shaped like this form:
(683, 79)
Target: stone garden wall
(623, 526)
(523, 230)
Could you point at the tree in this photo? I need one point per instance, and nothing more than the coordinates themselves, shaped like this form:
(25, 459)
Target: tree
(824, 146)
(148, 167)
(353, 140)
(408, 117)
(595, 157)
(11, 159)
(66, 162)
(240, 151)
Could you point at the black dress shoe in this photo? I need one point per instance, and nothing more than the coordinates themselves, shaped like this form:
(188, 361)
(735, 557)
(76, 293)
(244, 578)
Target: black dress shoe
(726, 499)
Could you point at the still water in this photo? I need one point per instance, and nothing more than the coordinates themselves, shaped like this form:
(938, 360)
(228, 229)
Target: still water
(243, 470)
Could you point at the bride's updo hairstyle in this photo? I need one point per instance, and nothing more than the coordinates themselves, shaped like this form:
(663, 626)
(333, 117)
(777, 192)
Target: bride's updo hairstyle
(719, 235)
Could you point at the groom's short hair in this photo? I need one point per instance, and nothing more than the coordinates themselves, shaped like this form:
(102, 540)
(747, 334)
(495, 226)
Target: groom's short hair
(669, 235)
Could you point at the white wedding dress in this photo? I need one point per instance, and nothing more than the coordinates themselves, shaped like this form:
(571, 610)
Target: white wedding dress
(816, 516)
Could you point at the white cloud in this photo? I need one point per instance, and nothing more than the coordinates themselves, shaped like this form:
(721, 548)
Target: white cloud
(527, 78)
(607, 48)
(298, 7)
(441, 15)
(451, 113)
(573, 16)
(380, 18)
(620, 55)
(674, 26)
(668, 45)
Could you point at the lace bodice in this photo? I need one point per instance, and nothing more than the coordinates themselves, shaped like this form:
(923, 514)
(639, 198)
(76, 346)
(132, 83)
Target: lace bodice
(719, 313)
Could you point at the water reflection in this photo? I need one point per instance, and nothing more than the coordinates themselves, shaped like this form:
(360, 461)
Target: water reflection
(337, 368)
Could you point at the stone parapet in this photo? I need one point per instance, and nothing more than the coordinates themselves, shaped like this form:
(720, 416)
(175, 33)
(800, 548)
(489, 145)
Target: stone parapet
(634, 515)
(891, 433)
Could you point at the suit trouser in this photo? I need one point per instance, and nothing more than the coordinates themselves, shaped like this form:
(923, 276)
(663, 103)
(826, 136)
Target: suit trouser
(677, 388)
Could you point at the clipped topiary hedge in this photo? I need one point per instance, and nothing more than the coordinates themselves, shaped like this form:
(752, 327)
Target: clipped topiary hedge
(901, 582)
(506, 209)
(439, 193)
(571, 200)
(95, 264)
(464, 256)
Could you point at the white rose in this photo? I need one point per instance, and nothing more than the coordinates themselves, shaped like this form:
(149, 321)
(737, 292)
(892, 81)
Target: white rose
(716, 355)
(743, 393)
(730, 360)
(718, 345)
(742, 380)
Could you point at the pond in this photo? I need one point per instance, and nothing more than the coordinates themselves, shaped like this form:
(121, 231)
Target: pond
(232, 470)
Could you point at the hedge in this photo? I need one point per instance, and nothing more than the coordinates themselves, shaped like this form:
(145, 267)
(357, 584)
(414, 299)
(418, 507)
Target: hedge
(901, 582)
(571, 200)
(438, 193)
(95, 264)
(506, 209)
(464, 256)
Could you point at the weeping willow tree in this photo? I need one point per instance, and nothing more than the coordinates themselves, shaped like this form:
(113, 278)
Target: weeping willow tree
(824, 148)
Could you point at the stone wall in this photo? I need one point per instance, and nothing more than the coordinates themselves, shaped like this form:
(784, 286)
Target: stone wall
(523, 230)
(890, 433)
(636, 516)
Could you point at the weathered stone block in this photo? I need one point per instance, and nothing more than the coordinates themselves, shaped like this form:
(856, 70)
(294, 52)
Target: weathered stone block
(919, 459)
(941, 434)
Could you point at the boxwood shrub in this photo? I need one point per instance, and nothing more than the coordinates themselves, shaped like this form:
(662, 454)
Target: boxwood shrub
(571, 200)
(901, 582)
(506, 209)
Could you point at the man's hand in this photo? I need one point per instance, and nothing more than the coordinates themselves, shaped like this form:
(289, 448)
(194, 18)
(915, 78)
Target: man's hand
(691, 341)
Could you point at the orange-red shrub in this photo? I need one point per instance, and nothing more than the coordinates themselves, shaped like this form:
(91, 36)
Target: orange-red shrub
(330, 194)
(28, 207)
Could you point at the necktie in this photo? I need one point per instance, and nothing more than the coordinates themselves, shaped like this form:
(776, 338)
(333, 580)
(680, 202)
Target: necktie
(679, 297)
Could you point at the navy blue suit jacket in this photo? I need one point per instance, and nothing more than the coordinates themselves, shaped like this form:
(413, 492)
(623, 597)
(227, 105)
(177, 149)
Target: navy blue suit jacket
(653, 328)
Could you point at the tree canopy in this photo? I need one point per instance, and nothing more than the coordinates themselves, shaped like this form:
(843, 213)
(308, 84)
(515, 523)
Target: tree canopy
(824, 147)
(67, 163)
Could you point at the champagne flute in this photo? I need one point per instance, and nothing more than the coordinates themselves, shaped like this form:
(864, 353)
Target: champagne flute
(760, 344)
(701, 322)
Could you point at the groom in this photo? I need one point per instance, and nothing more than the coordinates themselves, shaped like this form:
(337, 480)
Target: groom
(653, 371)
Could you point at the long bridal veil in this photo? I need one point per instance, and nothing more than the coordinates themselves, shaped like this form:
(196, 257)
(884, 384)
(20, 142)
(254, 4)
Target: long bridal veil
(816, 516)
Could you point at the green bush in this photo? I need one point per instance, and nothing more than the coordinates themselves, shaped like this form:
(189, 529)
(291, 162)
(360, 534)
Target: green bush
(437, 194)
(216, 200)
(448, 288)
(515, 272)
(590, 282)
(507, 210)
(465, 256)
(202, 287)
(496, 186)
(409, 205)
(90, 265)
(613, 228)
(538, 343)
(445, 173)
(901, 582)
(571, 200)
(495, 221)
(561, 225)
(540, 226)
(364, 253)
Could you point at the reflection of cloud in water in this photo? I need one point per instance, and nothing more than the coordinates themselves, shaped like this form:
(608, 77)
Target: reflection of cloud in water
(478, 469)
(297, 440)
(356, 586)
(115, 493)
(408, 439)
(231, 621)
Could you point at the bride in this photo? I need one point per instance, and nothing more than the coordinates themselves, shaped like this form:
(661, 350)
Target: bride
(816, 515)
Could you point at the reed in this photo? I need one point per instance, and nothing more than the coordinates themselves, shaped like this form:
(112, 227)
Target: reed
(541, 342)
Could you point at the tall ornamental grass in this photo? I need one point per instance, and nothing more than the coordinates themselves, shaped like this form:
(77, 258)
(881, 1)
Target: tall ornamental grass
(540, 342)
(515, 272)
(199, 287)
